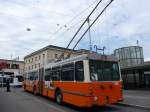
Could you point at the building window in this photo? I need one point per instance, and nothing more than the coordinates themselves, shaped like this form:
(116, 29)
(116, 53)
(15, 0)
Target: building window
(8, 66)
(35, 65)
(35, 58)
(43, 56)
(56, 56)
(32, 66)
(32, 59)
(39, 57)
(14, 66)
(39, 65)
(29, 60)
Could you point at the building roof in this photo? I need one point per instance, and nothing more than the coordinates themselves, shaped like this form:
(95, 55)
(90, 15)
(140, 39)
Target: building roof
(56, 47)
(48, 47)
(128, 47)
(4, 60)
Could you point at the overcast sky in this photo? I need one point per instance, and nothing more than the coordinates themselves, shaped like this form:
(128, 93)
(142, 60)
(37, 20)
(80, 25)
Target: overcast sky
(55, 21)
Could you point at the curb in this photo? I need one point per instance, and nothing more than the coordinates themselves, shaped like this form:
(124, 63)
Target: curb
(134, 105)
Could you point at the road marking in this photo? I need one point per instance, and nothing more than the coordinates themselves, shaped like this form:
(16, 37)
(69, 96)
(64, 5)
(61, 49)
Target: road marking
(137, 97)
(38, 100)
(133, 105)
(60, 110)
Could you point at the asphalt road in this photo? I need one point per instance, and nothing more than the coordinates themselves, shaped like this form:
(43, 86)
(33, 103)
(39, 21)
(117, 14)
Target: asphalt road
(19, 101)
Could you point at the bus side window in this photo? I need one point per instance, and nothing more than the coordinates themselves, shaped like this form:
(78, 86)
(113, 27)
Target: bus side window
(67, 72)
(36, 75)
(47, 75)
(31, 76)
(79, 71)
(55, 75)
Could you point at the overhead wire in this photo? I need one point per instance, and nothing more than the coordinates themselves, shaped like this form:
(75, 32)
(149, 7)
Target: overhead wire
(92, 23)
(90, 26)
(84, 23)
(79, 29)
(76, 16)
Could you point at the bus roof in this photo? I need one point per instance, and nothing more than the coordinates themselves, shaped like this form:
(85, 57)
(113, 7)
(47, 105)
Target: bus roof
(92, 56)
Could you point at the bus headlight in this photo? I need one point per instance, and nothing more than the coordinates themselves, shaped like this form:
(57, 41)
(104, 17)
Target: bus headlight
(95, 98)
(116, 83)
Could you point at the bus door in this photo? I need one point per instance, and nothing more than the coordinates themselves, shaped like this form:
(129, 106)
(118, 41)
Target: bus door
(48, 81)
(31, 82)
(47, 85)
(40, 84)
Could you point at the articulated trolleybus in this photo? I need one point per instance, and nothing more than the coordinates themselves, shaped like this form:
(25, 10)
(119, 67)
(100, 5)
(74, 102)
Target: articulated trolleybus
(84, 81)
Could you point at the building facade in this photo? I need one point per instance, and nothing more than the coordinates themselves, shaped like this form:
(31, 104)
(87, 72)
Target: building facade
(135, 72)
(11, 67)
(129, 56)
(37, 59)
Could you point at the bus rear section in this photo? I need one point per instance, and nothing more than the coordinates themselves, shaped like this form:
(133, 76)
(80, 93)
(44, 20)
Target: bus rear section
(106, 84)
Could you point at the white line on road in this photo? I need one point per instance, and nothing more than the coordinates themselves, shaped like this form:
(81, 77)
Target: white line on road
(38, 100)
(134, 105)
(136, 97)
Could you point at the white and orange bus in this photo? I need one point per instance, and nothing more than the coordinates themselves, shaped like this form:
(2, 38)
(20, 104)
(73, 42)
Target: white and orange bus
(84, 81)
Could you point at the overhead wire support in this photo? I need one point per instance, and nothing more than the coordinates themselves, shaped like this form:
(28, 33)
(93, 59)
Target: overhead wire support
(90, 26)
(83, 23)
(80, 28)
(92, 23)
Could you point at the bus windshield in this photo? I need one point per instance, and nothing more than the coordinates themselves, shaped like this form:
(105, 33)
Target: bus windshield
(104, 71)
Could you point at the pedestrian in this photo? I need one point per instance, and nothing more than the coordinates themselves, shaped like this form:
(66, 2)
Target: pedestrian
(8, 85)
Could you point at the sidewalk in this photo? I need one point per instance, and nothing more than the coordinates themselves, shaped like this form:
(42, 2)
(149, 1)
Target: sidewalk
(137, 98)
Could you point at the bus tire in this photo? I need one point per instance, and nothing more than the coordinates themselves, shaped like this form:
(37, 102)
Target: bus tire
(58, 96)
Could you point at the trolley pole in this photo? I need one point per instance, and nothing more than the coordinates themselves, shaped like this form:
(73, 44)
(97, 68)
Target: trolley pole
(90, 42)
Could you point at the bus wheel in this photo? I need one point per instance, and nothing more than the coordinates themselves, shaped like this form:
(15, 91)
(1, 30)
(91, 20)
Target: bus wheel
(58, 96)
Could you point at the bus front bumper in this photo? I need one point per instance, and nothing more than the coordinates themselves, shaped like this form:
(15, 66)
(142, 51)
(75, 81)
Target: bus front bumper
(103, 100)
